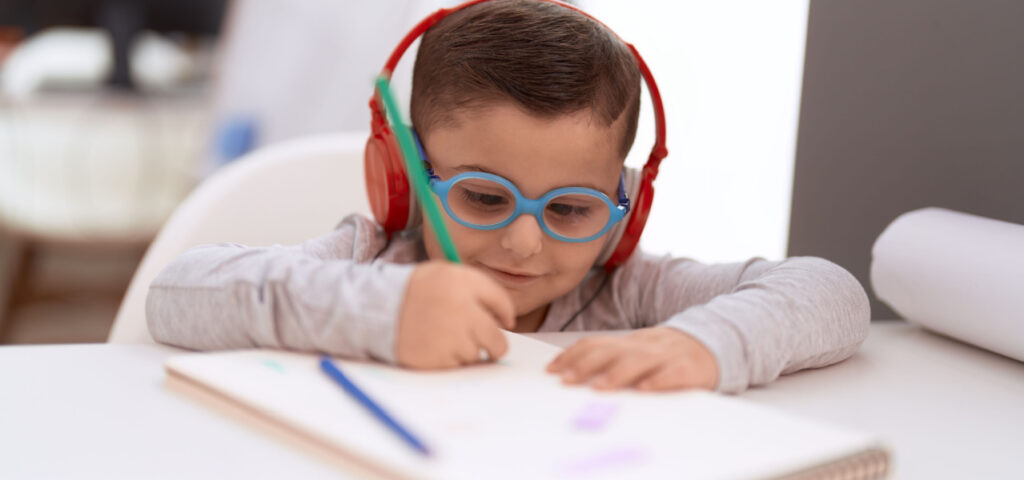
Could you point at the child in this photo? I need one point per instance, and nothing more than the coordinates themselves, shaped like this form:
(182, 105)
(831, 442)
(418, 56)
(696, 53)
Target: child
(515, 99)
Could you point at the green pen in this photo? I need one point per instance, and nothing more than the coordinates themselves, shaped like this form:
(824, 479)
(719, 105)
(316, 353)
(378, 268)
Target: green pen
(414, 169)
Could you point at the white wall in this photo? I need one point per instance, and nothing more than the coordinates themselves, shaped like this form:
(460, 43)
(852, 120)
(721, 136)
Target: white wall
(730, 74)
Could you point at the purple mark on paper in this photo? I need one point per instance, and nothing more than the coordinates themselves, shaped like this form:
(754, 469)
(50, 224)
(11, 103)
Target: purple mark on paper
(608, 459)
(595, 416)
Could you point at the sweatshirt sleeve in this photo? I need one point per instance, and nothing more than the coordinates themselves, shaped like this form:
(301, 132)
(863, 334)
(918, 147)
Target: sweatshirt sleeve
(325, 295)
(760, 319)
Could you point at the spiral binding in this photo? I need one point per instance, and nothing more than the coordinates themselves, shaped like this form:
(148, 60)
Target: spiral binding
(866, 465)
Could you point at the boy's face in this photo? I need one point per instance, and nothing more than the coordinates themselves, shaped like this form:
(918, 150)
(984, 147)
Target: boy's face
(537, 155)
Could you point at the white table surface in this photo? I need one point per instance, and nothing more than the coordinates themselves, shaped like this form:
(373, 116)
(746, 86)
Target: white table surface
(946, 409)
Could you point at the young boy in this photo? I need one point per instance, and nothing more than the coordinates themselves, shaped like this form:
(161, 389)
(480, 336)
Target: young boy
(544, 98)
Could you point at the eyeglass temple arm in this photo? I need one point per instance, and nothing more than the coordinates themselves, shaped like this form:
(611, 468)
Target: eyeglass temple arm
(623, 199)
(423, 153)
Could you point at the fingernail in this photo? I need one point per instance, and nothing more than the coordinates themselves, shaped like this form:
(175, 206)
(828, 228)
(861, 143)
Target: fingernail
(569, 377)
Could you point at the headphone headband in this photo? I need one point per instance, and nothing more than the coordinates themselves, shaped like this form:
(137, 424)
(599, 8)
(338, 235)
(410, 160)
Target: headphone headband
(389, 190)
(658, 152)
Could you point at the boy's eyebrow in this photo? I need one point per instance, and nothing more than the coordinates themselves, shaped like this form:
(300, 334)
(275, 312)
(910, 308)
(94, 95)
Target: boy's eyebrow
(474, 168)
(477, 168)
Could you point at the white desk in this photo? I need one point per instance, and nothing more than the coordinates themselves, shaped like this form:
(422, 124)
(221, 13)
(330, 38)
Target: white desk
(76, 411)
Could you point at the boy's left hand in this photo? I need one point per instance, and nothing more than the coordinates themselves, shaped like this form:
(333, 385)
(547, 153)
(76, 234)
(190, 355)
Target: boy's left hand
(658, 358)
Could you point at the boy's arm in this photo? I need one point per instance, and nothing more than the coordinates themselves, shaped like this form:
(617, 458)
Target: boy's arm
(323, 295)
(759, 319)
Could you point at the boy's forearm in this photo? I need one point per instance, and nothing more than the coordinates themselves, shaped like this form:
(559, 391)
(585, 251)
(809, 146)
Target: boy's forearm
(228, 296)
(802, 313)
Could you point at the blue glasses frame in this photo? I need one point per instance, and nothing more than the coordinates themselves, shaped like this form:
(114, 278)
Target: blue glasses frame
(531, 206)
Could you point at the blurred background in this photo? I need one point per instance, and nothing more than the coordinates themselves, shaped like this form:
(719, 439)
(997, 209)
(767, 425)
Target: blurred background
(112, 111)
(104, 116)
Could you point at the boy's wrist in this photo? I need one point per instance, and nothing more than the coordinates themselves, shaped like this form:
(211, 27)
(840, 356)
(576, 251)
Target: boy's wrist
(721, 342)
(703, 360)
(371, 319)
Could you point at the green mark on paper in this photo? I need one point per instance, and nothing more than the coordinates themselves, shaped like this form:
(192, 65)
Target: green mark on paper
(274, 365)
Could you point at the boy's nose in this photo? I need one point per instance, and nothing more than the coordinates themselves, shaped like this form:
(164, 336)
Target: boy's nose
(523, 237)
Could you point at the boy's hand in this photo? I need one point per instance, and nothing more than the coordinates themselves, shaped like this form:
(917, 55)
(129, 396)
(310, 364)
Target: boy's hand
(659, 358)
(449, 314)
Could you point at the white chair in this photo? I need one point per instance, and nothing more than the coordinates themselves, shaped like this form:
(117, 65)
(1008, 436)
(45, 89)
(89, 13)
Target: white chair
(284, 193)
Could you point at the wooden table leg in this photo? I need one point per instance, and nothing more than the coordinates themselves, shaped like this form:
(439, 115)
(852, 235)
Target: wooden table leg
(15, 263)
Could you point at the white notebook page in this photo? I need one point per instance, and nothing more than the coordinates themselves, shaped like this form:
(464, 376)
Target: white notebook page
(512, 420)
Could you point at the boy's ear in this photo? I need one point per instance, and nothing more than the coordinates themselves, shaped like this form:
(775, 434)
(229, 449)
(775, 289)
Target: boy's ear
(632, 182)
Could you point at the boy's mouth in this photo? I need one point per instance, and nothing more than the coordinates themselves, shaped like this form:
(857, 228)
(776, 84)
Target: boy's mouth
(512, 277)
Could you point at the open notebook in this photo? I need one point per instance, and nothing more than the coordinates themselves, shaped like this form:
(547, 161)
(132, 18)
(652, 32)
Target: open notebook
(512, 420)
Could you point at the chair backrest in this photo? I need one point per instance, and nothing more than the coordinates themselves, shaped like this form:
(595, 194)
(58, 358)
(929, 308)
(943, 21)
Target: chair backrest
(281, 194)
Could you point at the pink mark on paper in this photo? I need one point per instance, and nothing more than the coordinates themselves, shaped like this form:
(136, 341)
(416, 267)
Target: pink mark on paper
(609, 459)
(595, 416)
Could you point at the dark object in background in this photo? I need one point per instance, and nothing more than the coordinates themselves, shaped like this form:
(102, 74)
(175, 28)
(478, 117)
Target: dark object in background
(124, 19)
(906, 104)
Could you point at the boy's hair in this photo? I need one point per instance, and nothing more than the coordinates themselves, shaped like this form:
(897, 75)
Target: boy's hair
(548, 59)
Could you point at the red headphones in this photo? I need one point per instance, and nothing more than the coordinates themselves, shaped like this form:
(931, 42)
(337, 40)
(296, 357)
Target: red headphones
(388, 185)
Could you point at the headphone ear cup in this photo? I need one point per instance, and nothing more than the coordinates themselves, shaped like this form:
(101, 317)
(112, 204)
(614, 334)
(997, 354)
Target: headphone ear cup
(614, 238)
(641, 208)
(387, 184)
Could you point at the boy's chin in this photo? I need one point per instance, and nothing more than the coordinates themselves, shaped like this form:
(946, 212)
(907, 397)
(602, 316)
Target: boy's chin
(525, 306)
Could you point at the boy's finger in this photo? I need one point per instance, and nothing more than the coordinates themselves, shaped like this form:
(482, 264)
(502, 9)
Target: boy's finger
(593, 361)
(467, 352)
(497, 302)
(567, 357)
(628, 371)
(556, 364)
(668, 377)
(570, 355)
(489, 337)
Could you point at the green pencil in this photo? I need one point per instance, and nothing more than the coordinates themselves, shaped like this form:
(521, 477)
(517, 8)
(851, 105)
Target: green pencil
(414, 169)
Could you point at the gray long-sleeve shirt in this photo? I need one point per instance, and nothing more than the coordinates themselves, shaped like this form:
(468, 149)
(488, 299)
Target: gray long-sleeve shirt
(341, 294)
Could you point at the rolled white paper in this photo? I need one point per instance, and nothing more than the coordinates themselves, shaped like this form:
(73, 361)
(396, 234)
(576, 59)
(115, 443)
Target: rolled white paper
(957, 274)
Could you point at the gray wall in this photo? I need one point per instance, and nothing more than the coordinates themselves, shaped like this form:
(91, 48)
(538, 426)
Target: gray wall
(906, 104)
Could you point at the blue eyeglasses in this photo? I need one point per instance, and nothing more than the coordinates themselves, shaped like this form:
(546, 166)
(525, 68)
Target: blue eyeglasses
(486, 201)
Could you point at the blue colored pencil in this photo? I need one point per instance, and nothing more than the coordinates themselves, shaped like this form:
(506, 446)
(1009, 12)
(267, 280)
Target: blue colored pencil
(332, 371)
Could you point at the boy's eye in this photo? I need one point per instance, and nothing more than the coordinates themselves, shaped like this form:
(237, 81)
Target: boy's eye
(484, 199)
(566, 210)
(576, 215)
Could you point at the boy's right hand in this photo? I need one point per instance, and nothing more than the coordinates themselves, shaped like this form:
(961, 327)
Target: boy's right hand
(449, 314)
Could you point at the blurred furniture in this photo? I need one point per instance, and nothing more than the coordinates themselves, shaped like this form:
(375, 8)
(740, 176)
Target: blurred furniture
(89, 172)
(321, 80)
(906, 105)
(281, 194)
(123, 21)
(947, 410)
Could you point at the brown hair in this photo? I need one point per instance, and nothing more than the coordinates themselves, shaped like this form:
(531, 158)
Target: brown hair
(547, 58)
